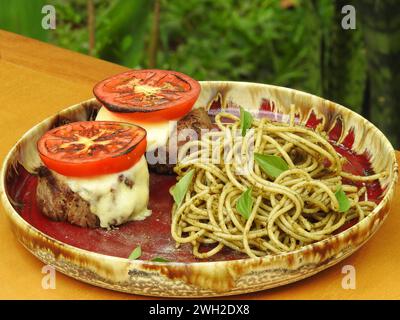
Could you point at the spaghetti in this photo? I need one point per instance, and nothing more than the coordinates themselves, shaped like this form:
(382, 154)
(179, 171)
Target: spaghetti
(296, 208)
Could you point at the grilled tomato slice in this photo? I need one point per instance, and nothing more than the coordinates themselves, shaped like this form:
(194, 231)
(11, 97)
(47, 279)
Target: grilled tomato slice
(149, 95)
(90, 148)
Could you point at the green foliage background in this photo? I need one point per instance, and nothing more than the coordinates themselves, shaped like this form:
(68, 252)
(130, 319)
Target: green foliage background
(302, 46)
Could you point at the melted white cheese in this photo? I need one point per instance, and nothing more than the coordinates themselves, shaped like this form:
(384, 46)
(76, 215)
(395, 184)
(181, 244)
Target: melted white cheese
(157, 132)
(110, 198)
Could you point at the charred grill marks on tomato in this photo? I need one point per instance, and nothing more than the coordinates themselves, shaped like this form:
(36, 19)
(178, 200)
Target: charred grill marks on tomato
(149, 91)
(89, 142)
(92, 147)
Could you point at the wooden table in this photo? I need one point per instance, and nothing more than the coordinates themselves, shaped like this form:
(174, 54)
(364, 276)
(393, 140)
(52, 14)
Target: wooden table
(36, 81)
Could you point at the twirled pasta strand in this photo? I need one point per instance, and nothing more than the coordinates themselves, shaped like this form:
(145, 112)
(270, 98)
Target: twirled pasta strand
(297, 208)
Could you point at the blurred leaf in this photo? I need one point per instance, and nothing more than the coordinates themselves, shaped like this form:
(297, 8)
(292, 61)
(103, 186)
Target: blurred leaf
(122, 29)
(344, 63)
(71, 31)
(243, 40)
(23, 17)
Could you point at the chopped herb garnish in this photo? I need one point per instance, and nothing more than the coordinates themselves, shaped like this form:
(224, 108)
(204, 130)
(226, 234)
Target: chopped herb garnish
(244, 204)
(344, 202)
(159, 259)
(136, 253)
(245, 121)
(179, 190)
(270, 164)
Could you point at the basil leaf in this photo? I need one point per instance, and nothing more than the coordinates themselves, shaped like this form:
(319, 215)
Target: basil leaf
(179, 190)
(271, 165)
(344, 202)
(245, 204)
(136, 253)
(159, 259)
(245, 121)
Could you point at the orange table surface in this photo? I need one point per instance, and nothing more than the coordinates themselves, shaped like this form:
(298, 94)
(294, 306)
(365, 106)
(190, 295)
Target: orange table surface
(36, 81)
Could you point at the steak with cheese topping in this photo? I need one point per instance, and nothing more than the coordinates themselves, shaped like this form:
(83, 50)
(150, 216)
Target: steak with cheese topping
(196, 119)
(59, 203)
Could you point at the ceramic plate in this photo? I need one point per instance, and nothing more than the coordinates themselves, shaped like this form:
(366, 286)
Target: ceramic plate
(99, 257)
